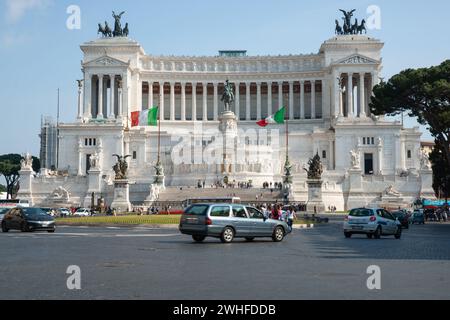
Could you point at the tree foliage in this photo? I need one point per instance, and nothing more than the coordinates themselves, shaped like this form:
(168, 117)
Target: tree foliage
(9, 168)
(441, 173)
(423, 93)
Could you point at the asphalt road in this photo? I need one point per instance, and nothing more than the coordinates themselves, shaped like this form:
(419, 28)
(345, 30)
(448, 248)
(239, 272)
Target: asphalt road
(140, 263)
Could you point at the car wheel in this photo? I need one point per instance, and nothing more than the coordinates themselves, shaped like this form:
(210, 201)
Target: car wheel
(278, 234)
(398, 234)
(250, 238)
(377, 233)
(24, 227)
(348, 235)
(227, 235)
(198, 238)
(4, 228)
(370, 235)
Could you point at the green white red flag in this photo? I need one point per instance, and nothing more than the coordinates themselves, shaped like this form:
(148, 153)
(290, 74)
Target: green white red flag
(277, 118)
(145, 117)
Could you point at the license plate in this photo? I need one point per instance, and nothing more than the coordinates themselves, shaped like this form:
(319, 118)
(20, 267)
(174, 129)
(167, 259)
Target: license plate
(357, 228)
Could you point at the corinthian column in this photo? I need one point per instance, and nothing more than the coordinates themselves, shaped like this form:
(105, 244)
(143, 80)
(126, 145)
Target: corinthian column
(313, 99)
(183, 101)
(350, 95)
(194, 101)
(269, 98)
(172, 101)
(205, 101)
(112, 78)
(100, 97)
(216, 101)
(237, 99)
(258, 100)
(361, 92)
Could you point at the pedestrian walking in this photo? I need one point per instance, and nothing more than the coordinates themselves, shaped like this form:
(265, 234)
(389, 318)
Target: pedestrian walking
(291, 217)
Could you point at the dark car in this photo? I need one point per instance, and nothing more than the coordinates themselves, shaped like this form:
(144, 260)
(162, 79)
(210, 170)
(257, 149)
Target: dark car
(418, 217)
(403, 218)
(28, 220)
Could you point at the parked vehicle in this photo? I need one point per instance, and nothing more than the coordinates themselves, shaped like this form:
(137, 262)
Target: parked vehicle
(3, 211)
(402, 217)
(373, 222)
(418, 217)
(228, 221)
(28, 220)
(82, 212)
(63, 212)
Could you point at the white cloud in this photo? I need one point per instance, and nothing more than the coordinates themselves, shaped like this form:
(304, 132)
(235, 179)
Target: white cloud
(16, 9)
(10, 40)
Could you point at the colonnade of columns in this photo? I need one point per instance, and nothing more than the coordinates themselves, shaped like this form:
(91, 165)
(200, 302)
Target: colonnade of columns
(253, 100)
(353, 94)
(98, 102)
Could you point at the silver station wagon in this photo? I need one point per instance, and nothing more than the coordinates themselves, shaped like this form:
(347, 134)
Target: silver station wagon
(229, 221)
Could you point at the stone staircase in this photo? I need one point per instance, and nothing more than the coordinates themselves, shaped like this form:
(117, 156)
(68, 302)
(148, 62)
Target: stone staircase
(246, 195)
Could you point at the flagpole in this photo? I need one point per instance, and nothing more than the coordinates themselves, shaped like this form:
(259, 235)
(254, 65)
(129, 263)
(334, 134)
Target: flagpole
(159, 130)
(286, 117)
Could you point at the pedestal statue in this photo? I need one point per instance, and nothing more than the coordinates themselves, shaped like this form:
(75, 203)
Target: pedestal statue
(228, 128)
(315, 203)
(121, 200)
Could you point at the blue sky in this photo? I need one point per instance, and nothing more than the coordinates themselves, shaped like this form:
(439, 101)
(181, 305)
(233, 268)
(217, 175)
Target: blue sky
(39, 54)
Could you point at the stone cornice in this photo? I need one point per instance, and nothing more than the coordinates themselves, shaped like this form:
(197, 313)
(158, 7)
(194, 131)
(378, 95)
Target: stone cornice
(118, 45)
(233, 77)
(238, 64)
(349, 42)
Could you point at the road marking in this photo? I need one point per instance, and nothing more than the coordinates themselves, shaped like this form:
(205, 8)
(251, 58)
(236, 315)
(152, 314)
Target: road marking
(147, 235)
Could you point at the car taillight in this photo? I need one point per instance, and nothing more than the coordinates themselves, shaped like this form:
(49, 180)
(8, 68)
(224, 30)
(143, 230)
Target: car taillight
(208, 222)
(373, 219)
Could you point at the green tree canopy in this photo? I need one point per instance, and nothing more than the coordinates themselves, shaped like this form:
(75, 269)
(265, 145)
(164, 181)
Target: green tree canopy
(423, 93)
(10, 167)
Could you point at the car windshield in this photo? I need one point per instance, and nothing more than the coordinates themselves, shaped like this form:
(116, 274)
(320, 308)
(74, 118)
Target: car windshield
(34, 212)
(197, 210)
(361, 213)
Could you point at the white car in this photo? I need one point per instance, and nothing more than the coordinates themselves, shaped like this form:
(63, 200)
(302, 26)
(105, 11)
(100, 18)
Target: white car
(82, 212)
(373, 222)
(64, 212)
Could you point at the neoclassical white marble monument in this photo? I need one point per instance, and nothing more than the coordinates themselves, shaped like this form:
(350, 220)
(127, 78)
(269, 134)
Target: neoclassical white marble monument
(327, 95)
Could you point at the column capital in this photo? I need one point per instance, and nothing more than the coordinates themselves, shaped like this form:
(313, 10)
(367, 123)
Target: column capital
(183, 83)
(280, 83)
(302, 82)
(161, 83)
(258, 83)
(172, 83)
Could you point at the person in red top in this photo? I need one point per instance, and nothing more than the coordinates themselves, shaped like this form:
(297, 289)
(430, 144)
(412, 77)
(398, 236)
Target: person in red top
(276, 213)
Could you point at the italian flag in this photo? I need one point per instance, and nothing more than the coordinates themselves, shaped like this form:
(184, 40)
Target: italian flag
(145, 117)
(276, 118)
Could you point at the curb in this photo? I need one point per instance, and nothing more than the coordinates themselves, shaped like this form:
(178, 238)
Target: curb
(156, 226)
(153, 226)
